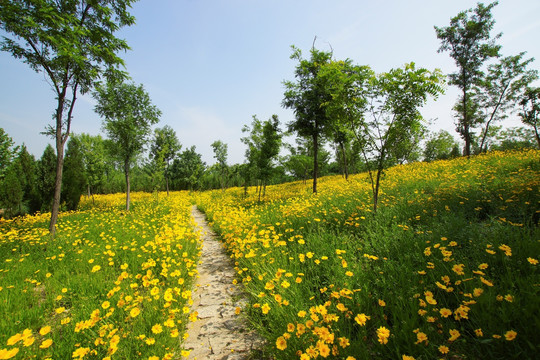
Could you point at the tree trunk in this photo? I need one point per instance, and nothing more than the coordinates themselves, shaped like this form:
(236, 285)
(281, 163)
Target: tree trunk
(59, 164)
(345, 167)
(167, 184)
(315, 161)
(466, 132)
(128, 186)
(537, 136)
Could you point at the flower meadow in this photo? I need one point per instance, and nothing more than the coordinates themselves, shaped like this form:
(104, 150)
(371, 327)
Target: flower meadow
(446, 269)
(111, 285)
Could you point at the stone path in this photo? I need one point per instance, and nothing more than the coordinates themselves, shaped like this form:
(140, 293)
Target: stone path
(218, 333)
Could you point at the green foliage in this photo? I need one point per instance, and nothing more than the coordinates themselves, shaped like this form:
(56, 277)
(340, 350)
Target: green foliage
(164, 148)
(128, 115)
(94, 161)
(530, 114)
(74, 181)
(499, 90)
(264, 143)
(73, 44)
(46, 177)
(469, 42)
(7, 151)
(306, 97)
(220, 154)
(187, 170)
(439, 146)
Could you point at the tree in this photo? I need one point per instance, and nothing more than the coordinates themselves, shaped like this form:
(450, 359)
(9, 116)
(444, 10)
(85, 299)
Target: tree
(94, 161)
(187, 169)
(264, 143)
(46, 178)
(165, 146)
(72, 43)
(498, 91)
(306, 97)
(439, 146)
(470, 44)
(27, 177)
(220, 154)
(74, 176)
(387, 128)
(128, 115)
(530, 102)
(7, 151)
(515, 138)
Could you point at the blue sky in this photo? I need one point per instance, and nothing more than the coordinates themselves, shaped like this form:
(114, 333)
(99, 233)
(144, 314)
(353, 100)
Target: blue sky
(210, 65)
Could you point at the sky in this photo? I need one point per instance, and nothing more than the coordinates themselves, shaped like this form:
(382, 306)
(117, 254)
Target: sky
(210, 65)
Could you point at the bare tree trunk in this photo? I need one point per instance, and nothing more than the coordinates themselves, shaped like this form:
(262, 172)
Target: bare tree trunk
(466, 129)
(167, 184)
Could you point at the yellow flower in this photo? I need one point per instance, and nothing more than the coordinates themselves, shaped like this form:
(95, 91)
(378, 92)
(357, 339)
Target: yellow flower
(134, 312)
(60, 310)
(383, 334)
(532, 261)
(458, 269)
(444, 349)
(46, 343)
(96, 268)
(29, 341)
(185, 353)
(509, 298)
(510, 335)
(478, 333)
(265, 308)
(407, 357)
(361, 319)
(14, 339)
(421, 337)
(8, 354)
(302, 313)
(156, 329)
(454, 334)
(382, 303)
(153, 358)
(105, 305)
(81, 352)
(281, 343)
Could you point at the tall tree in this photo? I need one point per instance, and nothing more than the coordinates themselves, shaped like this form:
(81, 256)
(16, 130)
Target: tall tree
(187, 169)
(7, 151)
(439, 146)
(220, 154)
(46, 178)
(94, 161)
(387, 128)
(470, 44)
(128, 115)
(530, 102)
(164, 148)
(306, 97)
(498, 91)
(74, 175)
(72, 42)
(264, 143)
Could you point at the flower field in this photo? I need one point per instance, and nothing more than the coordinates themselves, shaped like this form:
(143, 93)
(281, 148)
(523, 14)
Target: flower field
(111, 285)
(446, 269)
